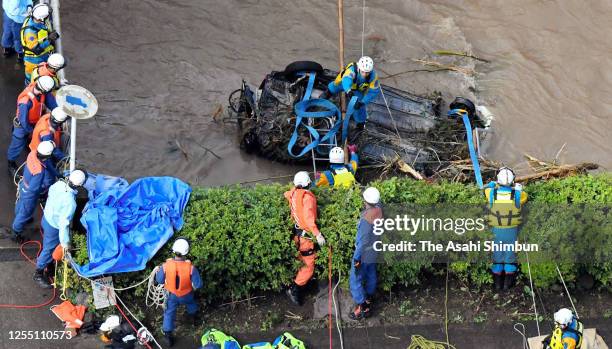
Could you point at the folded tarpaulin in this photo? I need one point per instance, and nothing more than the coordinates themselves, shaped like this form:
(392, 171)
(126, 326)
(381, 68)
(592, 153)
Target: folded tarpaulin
(96, 184)
(127, 226)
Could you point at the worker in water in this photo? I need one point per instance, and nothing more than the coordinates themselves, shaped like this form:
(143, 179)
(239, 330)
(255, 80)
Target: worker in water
(180, 279)
(37, 38)
(55, 63)
(57, 216)
(340, 174)
(49, 128)
(303, 206)
(30, 107)
(567, 333)
(14, 13)
(362, 279)
(359, 80)
(504, 204)
(38, 175)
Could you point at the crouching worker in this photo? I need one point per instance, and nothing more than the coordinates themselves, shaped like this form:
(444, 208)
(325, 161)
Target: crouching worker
(340, 174)
(362, 280)
(57, 216)
(567, 333)
(180, 279)
(303, 205)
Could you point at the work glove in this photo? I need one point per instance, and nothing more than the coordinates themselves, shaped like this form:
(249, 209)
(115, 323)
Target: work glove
(320, 240)
(518, 186)
(352, 148)
(357, 263)
(53, 36)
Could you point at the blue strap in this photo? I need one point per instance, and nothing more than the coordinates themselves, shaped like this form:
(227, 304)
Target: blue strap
(468, 130)
(311, 81)
(517, 198)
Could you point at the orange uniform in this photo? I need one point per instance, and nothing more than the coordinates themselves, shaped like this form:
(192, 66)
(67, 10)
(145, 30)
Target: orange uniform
(44, 131)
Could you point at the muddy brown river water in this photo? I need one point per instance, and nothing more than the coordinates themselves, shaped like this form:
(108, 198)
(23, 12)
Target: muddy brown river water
(160, 69)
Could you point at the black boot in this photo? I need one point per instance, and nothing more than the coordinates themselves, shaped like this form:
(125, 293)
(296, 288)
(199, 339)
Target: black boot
(169, 339)
(361, 311)
(294, 294)
(509, 281)
(7, 52)
(17, 238)
(12, 168)
(498, 281)
(20, 57)
(42, 279)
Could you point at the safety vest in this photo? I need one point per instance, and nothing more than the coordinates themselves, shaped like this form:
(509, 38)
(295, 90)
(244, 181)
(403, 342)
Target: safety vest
(215, 336)
(181, 271)
(37, 105)
(42, 34)
(33, 164)
(43, 126)
(556, 341)
(371, 83)
(297, 206)
(288, 341)
(343, 177)
(504, 208)
(43, 70)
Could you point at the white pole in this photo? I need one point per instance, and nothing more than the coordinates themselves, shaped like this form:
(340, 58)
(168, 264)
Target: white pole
(57, 26)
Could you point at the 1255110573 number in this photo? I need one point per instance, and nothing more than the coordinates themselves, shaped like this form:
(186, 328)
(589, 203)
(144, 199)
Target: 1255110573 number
(39, 335)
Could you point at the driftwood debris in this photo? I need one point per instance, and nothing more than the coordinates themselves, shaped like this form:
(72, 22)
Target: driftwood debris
(460, 54)
(404, 167)
(465, 71)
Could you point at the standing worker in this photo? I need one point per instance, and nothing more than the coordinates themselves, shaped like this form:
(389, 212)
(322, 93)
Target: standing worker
(37, 38)
(340, 174)
(567, 333)
(362, 279)
(55, 63)
(359, 80)
(30, 107)
(303, 206)
(38, 175)
(49, 128)
(57, 216)
(180, 279)
(504, 203)
(14, 14)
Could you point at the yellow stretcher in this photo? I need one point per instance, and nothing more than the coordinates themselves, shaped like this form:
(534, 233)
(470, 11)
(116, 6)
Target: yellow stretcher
(591, 341)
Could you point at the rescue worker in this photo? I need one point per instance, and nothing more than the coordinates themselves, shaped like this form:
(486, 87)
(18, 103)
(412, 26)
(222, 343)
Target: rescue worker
(504, 204)
(37, 38)
(38, 175)
(568, 331)
(55, 63)
(303, 206)
(359, 80)
(180, 279)
(57, 216)
(30, 107)
(49, 128)
(362, 279)
(13, 15)
(340, 174)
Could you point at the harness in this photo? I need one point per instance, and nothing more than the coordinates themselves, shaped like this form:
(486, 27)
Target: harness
(215, 336)
(36, 110)
(504, 212)
(42, 34)
(364, 86)
(556, 341)
(343, 177)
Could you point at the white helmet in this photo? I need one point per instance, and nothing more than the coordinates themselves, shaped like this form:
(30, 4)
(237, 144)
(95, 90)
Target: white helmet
(564, 316)
(56, 61)
(180, 246)
(77, 178)
(45, 148)
(45, 84)
(301, 179)
(365, 64)
(371, 195)
(505, 176)
(59, 115)
(336, 155)
(40, 12)
(110, 323)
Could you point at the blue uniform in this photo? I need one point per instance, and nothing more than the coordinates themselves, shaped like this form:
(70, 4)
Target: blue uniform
(23, 131)
(173, 301)
(13, 15)
(365, 89)
(328, 177)
(58, 213)
(37, 178)
(362, 280)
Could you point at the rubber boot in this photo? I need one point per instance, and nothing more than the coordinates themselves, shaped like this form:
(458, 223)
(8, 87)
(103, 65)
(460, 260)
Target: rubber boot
(7, 52)
(41, 279)
(17, 237)
(169, 339)
(20, 57)
(498, 281)
(12, 168)
(294, 294)
(509, 281)
(369, 303)
(359, 312)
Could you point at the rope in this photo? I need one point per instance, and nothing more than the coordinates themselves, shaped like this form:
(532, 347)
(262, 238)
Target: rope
(567, 291)
(535, 309)
(64, 281)
(132, 325)
(522, 333)
(338, 317)
(156, 294)
(446, 308)
(330, 294)
(420, 342)
(362, 27)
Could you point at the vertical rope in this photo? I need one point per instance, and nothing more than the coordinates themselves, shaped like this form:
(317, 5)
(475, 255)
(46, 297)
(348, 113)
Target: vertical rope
(566, 290)
(363, 26)
(535, 309)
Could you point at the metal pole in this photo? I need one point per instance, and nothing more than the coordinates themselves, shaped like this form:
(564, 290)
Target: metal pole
(341, 61)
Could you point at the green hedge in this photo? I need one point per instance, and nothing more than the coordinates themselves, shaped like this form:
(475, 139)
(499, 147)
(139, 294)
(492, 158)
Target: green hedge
(240, 236)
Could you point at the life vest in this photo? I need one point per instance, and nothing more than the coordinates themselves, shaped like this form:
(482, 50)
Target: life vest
(178, 277)
(33, 164)
(504, 208)
(297, 207)
(215, 336)
(371, 83)
(71, 314)
(44, 126)
(288, 341)
(42, 34)
(43, 70)
(556, 341)
(37, 105)
(343, 177)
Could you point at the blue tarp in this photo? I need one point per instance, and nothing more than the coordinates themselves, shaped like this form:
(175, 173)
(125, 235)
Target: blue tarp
(126, 226)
